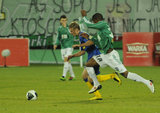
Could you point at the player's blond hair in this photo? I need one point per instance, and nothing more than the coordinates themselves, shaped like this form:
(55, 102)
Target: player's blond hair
(74, 25)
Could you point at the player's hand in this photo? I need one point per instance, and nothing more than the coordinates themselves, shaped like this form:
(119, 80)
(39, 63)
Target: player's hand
(76, 45)
(55, 46)
(69, 57)
(83, 13)
(85, 35)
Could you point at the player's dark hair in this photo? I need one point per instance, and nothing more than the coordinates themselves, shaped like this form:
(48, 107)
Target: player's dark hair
(97, 16)
(74, 25)
(63, 16)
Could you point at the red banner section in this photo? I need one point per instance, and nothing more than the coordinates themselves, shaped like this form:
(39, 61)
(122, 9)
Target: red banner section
(19, 52)
(141, 49)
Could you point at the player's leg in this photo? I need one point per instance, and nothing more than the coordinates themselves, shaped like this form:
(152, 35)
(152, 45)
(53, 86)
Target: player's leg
(102, 78)
(106, 77)
(71, 72)
(89, 66)
(89, 82)
(113, 76)
(137, 78)
(116, 64)
(65, 66)
(70, 69)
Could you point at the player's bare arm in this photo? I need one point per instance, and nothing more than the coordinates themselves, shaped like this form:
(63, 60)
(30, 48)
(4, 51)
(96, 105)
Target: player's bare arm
(76, 45)
(83, 13)
(69, 57)
(88, 43)
(80, 53)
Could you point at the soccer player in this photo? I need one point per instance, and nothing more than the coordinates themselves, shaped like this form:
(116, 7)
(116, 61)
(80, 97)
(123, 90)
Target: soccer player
(66, 39)
(91, 51)
(109, 56)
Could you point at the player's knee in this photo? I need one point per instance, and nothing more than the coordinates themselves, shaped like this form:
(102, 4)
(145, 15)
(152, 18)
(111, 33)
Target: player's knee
(84, 77)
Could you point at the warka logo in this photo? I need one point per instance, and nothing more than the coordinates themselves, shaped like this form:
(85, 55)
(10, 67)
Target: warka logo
(137, 48)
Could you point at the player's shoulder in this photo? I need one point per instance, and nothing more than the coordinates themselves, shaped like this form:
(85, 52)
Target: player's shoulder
(81, 39)
(103, 22)
(83, 32)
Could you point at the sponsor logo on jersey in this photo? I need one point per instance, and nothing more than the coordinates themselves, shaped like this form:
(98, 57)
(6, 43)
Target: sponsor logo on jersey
(137, 48)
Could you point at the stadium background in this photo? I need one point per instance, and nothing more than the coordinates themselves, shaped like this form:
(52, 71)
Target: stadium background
(38, 20)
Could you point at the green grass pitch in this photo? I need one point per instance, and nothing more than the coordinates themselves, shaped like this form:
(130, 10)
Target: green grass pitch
(55, 96)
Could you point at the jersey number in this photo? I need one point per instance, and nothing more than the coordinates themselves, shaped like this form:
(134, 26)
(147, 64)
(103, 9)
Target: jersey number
(98, 57)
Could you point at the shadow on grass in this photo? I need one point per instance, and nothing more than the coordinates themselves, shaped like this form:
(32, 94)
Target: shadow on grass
(84, 102)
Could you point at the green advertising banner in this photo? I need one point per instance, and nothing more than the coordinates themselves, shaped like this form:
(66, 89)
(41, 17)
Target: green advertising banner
(43, 41)
(39, 41)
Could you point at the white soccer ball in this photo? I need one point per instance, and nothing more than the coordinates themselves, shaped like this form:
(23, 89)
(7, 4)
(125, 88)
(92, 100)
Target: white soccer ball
(31, 95)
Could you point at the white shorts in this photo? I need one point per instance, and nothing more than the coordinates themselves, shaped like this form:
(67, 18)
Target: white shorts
(110, 59)
(66, 52)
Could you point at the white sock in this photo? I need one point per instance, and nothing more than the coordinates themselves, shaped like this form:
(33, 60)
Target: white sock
(65, 69)
(92, 74)
(70, 70)
(136, 78)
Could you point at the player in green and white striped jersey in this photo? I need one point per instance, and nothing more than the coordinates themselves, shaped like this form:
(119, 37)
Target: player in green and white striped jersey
(109, 57)
(67, 40)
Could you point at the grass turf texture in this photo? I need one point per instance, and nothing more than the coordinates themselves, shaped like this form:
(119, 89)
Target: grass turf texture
(56, 96)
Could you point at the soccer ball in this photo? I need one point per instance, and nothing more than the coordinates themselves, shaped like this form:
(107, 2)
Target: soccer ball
(31, 95)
